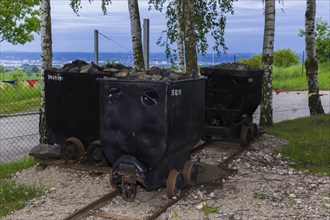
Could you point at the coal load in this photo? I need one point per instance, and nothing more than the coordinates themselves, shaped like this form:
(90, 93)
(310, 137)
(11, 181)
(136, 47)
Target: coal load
(119, 71)
(232, 66)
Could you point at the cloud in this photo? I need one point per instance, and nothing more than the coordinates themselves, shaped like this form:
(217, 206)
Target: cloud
(244, 30)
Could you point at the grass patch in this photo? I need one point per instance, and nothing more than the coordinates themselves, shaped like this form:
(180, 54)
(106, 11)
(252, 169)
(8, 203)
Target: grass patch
(8, 169)
(292, 78)
(19, 106)
(308, 142)
(12, 195)
(209, 209)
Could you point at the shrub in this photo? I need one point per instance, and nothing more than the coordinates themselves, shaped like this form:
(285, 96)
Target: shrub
(254, 62)
(17, 75)
(285, 58)
(282, 58)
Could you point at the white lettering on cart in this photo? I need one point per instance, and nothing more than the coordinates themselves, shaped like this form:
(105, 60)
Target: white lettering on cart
(176, 92)
(56, 77)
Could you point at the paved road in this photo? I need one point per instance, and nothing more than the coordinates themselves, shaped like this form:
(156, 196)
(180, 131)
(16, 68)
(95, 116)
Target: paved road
(294, 104)
(19, 134)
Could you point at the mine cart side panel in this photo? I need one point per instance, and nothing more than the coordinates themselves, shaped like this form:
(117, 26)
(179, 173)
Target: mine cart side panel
(154, 133)
(230, 89)
(185, 114)
(133, 120)
(72, 105)
(185, 121)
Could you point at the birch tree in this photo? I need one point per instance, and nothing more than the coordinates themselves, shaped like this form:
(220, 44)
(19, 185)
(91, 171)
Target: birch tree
(180, 33)
(46, 61)
(209, 19)
(189, 37)
(133, 8)
(314, 101)
(266, 107)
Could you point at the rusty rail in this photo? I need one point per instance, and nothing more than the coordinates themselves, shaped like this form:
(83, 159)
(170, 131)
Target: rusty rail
(85, 211)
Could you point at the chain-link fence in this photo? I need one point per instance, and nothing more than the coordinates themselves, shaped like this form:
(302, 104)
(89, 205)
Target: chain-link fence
(19, 118)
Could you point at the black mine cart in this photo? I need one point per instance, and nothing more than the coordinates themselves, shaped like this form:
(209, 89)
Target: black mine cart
(72, 114)
(148, 129)
(231, 98)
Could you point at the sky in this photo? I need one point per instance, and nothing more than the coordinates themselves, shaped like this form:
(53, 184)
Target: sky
(244, 29)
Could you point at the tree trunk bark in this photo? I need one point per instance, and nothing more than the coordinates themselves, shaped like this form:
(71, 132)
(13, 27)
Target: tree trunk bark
(189, 34)
(180, 39)
(314, 101)
(46, 62)
(133, 8)
(266, 107)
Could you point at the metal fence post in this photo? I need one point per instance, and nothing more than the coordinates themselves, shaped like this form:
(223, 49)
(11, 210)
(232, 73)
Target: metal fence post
(303, 63)
(96, 47)
(146, 42)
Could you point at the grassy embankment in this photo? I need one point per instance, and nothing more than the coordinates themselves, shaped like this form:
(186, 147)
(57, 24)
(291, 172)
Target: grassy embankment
(309, 142)
(12, 195)
(18, 98)
(292, 78)
(21, 96)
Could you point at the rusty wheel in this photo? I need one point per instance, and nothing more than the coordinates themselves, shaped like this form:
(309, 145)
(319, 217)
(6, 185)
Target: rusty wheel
(254, 130)
(114, 185)
(128, 191)
(189, 173)
(174, 184)
(245, 136)
(95, 154)
(73, 149)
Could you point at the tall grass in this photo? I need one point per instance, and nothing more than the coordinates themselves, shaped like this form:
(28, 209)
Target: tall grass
(308, 141)
(7, 169)
(294, 77)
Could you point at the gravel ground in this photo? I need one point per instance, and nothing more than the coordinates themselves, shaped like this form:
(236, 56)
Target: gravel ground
(264, 188)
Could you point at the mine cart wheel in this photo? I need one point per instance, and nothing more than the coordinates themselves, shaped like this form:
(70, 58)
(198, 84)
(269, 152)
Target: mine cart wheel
(95, 154)
(254, 130)
(189, 173)
(174, 184)
(115, 186)
(128, 191)
(245, 136)
(73, 149)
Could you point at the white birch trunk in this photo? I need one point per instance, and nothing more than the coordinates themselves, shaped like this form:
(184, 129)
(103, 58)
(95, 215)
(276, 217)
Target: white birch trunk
(180, 39)
(133, 8)
(314, 101)
(46, 61)
(189, 35)
(266, 107)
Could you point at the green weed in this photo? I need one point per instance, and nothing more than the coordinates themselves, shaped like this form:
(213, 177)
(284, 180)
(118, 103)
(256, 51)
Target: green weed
(209, 209)
(175, 215)
(259, 195)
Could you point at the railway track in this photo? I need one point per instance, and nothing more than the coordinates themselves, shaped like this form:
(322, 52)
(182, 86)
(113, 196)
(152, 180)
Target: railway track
(93, 209)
